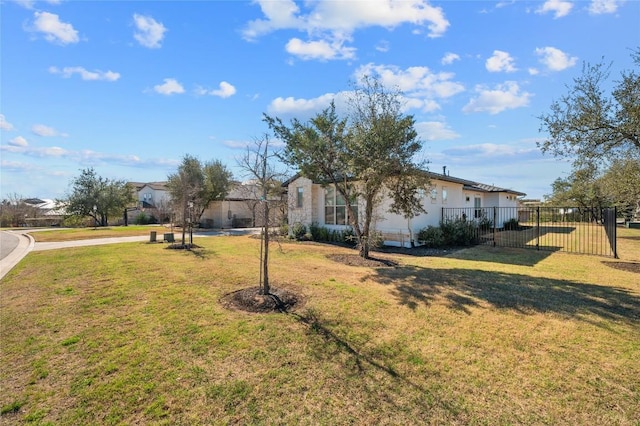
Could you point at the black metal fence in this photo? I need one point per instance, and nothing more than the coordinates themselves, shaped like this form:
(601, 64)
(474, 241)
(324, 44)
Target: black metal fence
(569, 229)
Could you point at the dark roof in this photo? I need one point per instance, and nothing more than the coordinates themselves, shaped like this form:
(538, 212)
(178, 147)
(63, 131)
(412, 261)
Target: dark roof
(153, 185)
(467, 184)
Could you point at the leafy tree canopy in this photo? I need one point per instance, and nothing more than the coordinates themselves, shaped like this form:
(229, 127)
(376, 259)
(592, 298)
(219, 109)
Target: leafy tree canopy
(368, 152)
(97, 197)
(591, 126)
(588, 187)
(194, 185)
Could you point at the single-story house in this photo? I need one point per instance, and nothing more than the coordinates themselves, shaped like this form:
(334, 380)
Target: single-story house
(313, 203)
(241, 208)
(43, 212)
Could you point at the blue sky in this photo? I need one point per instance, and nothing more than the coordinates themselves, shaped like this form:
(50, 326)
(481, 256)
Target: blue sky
(129, 87)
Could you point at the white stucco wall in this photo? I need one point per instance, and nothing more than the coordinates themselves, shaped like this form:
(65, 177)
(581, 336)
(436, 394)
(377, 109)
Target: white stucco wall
(395, 226)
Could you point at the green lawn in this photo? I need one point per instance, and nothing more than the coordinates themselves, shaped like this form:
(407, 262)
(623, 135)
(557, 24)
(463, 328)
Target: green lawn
(71, 234)
(135, 334)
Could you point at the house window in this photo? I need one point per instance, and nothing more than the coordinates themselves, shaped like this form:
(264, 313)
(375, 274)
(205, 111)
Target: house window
(335, 207)
(300, 197)
(444, 195)
(433, 194)
(477, 204)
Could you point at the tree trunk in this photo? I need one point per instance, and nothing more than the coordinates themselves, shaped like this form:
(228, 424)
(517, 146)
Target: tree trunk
(266, 288)
(184, 224)
(364, 240)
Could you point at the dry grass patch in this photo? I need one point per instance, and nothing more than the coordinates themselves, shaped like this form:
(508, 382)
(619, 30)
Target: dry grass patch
(135, 333)
(72, 234)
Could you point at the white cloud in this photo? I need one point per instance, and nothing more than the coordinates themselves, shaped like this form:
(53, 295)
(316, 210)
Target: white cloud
(533, 71)
(236, 144)
(53, 29)
(491, 150)
(321, 49)
(435, 130)
(17, 166)
(555, 59)
(560, 8)
(599, 7)
(28, 4)
(18, 141)
(504, 96)
(418, 82)
(500, 61)
(346, 17)
(46, 131)
(5, 125)
(297, 107)
(169, 87)
(67, 72)
(87, 156)
(149, 32)
(225, 90)
(449, 58)
(330, 24)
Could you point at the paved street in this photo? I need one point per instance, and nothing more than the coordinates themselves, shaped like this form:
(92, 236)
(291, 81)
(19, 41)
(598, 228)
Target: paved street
(8, 242)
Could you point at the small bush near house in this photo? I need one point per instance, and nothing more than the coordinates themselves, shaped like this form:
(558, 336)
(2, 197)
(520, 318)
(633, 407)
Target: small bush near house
(77, 222)
(459, 232)
(431, 236)
(326, 235)
(144, 219)
(485, 224)
(298, 230)
(456, 232)
(512, 225)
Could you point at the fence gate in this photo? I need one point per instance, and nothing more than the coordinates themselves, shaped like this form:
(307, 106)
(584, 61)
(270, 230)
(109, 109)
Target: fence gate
(568, 229)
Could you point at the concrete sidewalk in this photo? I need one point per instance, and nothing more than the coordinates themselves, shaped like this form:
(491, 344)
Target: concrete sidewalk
(25, 244)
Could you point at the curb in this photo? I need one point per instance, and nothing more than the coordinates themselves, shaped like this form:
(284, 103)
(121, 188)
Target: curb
(25, 245)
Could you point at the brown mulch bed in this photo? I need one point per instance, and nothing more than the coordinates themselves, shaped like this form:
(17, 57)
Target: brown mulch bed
(249, 300)
(179, 246)
(357, 260)
(625, 266)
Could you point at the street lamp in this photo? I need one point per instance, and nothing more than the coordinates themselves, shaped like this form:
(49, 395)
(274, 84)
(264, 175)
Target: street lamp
(95, 218)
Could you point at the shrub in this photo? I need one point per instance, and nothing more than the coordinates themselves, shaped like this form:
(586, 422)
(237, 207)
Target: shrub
(485, 224)
(77, 222)
(144, 219)
(459, 232)
(298, 230)
(431, 236)
(512, 225)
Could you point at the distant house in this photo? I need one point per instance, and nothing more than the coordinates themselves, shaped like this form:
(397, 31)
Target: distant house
(43, 212)
(241, 208)
(151, 194)
(152, 199)
(312, 203)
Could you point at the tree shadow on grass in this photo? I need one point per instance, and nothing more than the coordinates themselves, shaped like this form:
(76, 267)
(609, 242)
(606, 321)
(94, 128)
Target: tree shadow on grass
(461, 289)
(505, 255)
(327, 344)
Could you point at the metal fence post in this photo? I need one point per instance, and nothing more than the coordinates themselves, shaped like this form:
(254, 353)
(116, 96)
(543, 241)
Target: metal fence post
(538, 228)
(494, 225)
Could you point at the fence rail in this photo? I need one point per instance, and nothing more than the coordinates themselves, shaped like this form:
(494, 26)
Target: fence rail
(569, 229)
